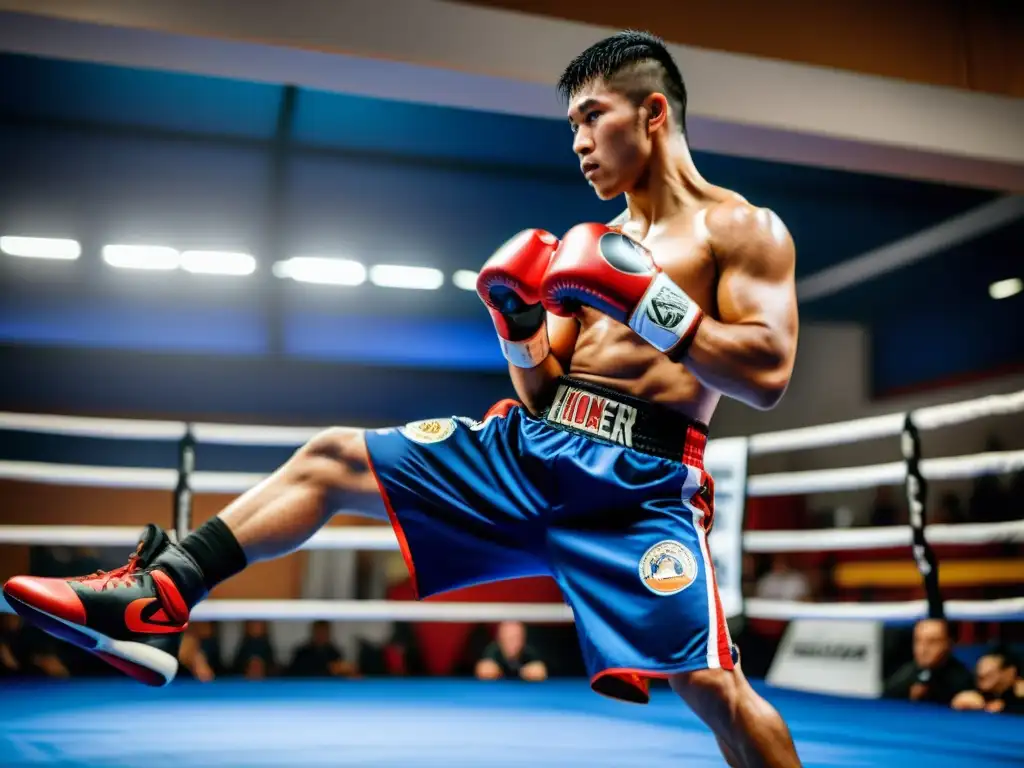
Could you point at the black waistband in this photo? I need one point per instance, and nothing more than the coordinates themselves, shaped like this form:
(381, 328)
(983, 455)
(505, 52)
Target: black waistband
(606, 414)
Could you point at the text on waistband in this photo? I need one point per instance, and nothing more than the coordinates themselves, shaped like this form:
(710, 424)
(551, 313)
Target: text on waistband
(599, 416)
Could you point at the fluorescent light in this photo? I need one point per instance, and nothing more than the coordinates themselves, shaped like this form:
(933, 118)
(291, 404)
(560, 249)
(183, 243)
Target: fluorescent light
(218, 263)
(417, 278)
(1004, 289)
(323, 270)
(154, 257)
(41, 248)
(465, 279)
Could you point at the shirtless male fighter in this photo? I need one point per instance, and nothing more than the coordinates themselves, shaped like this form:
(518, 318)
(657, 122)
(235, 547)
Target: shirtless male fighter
(620, 340)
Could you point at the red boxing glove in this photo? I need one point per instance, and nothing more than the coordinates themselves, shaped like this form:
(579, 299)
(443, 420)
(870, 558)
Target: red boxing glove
(602, 268)
(509, 284)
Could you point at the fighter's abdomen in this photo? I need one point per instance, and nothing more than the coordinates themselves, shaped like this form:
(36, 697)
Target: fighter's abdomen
(610, 354)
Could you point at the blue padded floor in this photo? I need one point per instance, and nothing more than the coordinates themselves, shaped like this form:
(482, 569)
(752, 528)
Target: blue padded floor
(111, 724)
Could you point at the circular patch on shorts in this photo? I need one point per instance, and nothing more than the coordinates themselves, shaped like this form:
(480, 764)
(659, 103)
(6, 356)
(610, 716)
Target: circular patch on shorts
(428, 430)
(668, 568)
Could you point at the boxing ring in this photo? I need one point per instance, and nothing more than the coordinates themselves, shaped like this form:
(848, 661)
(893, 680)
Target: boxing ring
(428, 722)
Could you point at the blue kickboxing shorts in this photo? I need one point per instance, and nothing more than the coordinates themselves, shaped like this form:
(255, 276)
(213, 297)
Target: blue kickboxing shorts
(605, 493)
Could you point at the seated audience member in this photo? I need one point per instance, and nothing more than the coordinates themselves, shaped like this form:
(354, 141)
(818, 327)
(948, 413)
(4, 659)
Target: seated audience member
(27, 652)
(510, 656)
(13, 653)
(193, 658)
(999, 686)
(885, 510)
(208, 635)
(319, 656)
(934, 675)
(255, 656)
(783, 582)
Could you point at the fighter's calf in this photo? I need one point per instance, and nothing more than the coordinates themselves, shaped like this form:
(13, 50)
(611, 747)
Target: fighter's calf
(750, 733)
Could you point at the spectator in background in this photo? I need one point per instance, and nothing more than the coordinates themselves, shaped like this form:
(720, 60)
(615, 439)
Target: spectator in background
(999, 687)
(885, 510)
(255, 656)
(193, 658)
(510, 656)
(989, 501)
(934, 675)
(783, 582)
(207, 633)
(27, 652)
(319, 656)
(949, 510)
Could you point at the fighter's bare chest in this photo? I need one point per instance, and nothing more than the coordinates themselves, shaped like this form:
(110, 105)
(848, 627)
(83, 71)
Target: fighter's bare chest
(689, 261)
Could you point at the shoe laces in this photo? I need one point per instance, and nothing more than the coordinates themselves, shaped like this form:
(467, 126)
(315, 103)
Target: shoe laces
(119, 577)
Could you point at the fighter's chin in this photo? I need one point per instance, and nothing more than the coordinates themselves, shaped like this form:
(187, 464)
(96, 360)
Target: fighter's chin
(605, 191)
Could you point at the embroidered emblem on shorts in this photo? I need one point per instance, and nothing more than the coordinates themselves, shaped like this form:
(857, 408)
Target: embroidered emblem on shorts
(429, 430)
(668, 568)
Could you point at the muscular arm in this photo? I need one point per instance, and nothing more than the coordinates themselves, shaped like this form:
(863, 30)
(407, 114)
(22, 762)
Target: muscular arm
(535, 386)
(747, 353)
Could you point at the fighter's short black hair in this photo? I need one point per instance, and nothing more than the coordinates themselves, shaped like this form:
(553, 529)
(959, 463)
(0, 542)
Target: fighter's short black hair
(635, 63)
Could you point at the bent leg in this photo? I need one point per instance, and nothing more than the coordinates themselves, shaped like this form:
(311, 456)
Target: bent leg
(749, 731)
(287, 508)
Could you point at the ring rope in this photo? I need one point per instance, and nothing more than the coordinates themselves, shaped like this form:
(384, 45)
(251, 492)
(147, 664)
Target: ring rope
(822, 435)
(889, 425)
(770, 484)
(382, 538)
(1006, 609)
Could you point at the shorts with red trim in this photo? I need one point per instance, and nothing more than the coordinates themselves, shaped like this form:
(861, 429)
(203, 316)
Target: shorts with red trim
(605, 493)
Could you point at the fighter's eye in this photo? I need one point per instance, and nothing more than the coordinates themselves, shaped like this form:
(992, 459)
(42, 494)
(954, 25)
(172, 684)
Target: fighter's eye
(592, 116)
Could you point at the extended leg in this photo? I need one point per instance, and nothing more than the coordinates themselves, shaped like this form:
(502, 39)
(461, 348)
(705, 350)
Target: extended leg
(283, 511)
(121, 614)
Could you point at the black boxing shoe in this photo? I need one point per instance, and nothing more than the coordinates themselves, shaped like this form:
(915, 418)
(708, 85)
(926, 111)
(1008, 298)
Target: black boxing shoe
(122, 616)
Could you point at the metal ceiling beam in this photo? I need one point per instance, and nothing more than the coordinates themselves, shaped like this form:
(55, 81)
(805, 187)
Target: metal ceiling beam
(913, 248)
(460, 56)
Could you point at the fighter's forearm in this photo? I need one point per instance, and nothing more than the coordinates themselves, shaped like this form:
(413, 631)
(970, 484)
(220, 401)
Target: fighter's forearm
(536, 386)
(750, 363)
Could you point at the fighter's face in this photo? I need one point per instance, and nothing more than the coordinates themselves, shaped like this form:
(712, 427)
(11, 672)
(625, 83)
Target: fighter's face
(609, 139)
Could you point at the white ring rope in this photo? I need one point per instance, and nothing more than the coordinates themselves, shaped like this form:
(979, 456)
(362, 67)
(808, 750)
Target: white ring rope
(823, 435)
(873, 427)
(382, 538)
(1007, 609)
(126, 477)
(776, 484)
(850, 539)
(81, 426)
(381, 610)
(873, 475)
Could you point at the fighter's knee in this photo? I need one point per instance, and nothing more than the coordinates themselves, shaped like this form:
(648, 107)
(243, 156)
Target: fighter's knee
(719, 684)
(338, 443)
(330, 454)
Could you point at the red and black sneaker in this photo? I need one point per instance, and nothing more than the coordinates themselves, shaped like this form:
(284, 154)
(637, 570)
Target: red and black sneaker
(121, 615)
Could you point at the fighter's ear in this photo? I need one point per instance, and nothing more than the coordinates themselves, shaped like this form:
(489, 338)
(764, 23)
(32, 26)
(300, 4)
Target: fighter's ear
(657, 111)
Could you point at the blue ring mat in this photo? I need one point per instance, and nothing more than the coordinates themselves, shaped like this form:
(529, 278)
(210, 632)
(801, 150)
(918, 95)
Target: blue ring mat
(115, 724)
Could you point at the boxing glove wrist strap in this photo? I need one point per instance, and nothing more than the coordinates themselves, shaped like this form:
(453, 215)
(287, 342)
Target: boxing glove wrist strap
(666, 317)
(528, 353)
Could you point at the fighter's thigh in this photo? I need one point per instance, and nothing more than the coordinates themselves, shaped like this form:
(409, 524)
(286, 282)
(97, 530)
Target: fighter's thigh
(336, 458)
(643, 591)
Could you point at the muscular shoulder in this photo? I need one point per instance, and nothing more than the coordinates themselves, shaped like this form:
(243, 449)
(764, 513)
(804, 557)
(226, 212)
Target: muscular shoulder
(738, 230)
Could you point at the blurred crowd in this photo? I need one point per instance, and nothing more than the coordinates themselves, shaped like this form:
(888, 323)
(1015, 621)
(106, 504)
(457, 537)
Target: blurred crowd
(495, 652)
